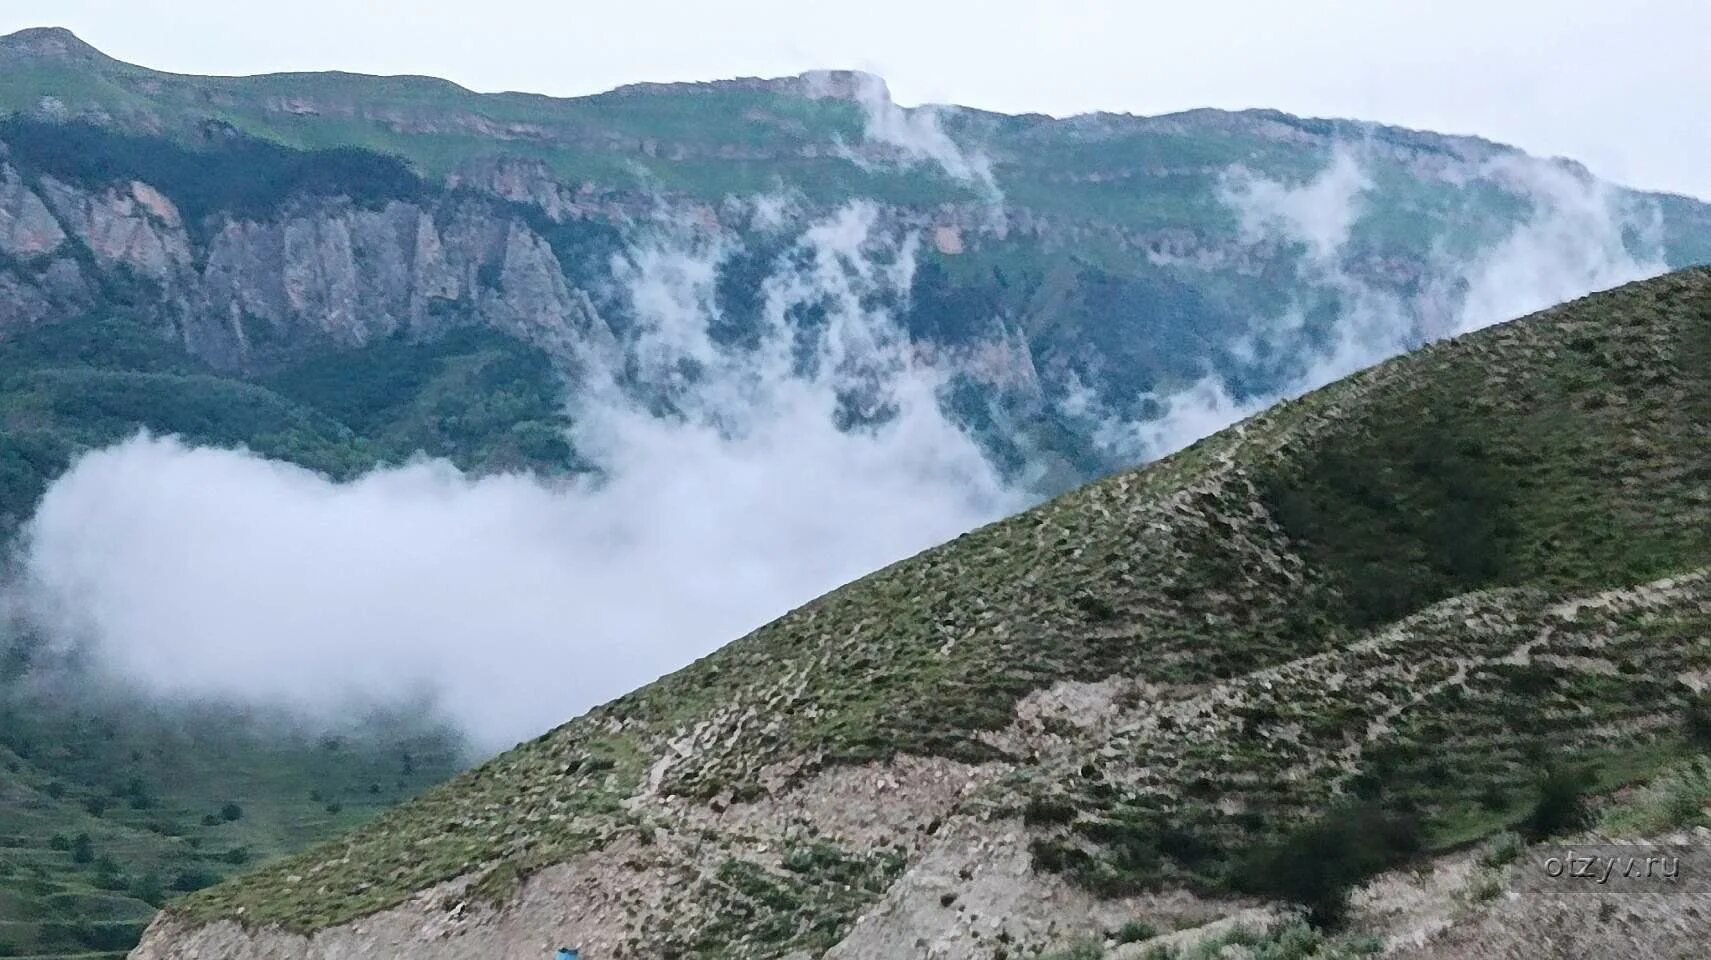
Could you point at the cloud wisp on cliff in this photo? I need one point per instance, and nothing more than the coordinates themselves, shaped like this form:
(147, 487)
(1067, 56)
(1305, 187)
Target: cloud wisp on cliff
(1578, 235)
(913, 135)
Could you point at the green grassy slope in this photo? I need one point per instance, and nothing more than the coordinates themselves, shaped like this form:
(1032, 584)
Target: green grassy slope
(1369, 592)
(109, 808)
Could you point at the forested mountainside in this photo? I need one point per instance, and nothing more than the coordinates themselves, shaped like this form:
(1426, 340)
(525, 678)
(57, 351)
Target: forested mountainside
(1361, 629)
(1068, 274)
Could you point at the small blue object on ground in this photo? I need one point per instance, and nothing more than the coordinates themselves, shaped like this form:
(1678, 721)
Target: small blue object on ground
(566, 953)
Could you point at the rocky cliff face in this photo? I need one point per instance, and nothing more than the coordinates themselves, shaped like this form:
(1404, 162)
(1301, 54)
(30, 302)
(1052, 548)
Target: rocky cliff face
(27, 228)
(346, 275)
(323, 271)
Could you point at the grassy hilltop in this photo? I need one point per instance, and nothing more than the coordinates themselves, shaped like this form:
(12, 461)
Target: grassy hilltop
(1421, 588)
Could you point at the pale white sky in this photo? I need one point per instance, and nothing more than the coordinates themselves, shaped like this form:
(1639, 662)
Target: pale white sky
(1622, 85)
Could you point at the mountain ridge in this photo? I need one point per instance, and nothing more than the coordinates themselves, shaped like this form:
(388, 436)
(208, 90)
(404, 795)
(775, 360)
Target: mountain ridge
(51, 42)
(1035, 702)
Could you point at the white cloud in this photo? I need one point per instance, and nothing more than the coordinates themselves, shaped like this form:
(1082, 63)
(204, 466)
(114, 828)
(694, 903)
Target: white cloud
(1579, 235)
(1318, 214)
(521, 602)
(1574, 242)
(913, 135)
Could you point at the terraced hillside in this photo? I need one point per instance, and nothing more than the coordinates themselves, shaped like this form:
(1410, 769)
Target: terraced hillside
(1405, 598)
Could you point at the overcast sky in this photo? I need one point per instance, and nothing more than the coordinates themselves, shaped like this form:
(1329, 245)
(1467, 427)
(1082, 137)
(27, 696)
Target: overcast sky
(1621, 85)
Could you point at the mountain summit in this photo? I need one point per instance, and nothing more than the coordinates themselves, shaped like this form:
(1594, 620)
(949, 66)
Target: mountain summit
(49, 43)
(1401, 601)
